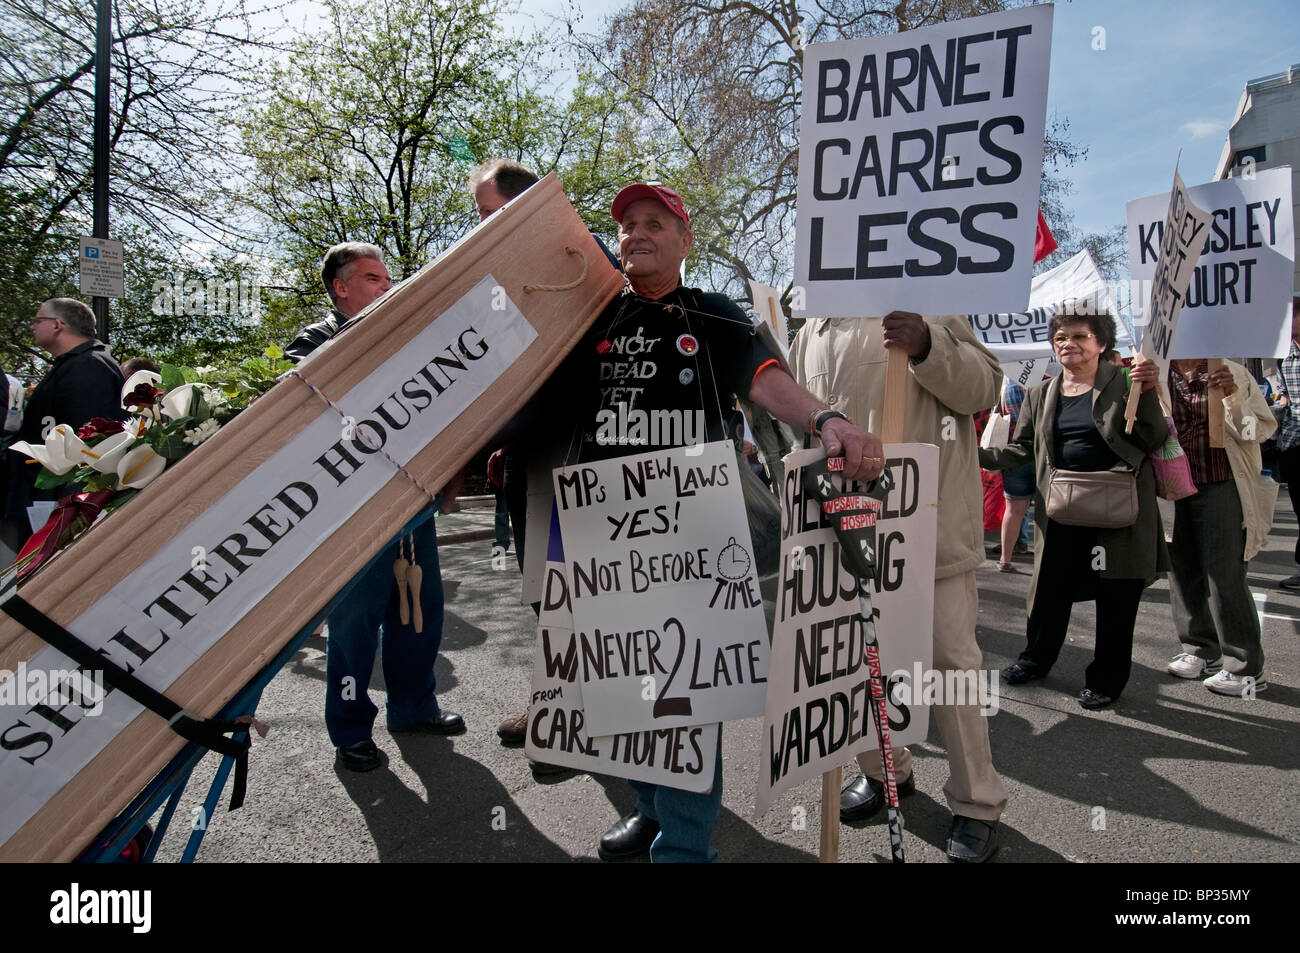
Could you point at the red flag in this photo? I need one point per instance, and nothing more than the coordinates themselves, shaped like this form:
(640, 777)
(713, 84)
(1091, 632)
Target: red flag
(1044, 243)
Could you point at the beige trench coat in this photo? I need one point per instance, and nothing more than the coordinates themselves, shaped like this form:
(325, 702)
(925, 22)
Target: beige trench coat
(842, 362)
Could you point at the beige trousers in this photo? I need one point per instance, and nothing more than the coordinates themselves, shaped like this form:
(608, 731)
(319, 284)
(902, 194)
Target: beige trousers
(974, 788)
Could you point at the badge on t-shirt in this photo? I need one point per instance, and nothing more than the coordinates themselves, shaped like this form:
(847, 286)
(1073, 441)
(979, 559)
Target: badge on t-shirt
(686, 344)
(686, 376)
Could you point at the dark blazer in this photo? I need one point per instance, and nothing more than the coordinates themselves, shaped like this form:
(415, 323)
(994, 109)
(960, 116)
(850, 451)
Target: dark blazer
(1134, 552)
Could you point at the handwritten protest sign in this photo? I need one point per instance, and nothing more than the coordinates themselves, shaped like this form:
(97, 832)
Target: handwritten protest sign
(1182, 238)
(818, 711)
(682, 757)
(1238, 295)
(660, 571)
(1072, 287)
(919, 156)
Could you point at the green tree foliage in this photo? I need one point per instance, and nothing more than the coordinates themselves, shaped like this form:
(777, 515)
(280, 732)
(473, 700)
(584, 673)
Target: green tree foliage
(368, 131)
(716, 89)
(173, 66)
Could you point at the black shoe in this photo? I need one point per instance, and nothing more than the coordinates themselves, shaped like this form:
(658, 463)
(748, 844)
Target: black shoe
(362, 756)
(1019, 673)
(972, 841)
(444, 723)
(865, 796)
(1093, 700)
(630, 837)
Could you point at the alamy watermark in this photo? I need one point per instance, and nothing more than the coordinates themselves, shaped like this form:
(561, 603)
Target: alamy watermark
(235, 297)
(54, 688)
(623, 427)
(953, 687)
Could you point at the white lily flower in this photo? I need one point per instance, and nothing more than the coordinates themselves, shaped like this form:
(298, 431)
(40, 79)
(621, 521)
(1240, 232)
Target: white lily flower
(176, 402)
(60, 452)
(139, 467)
(105, 455)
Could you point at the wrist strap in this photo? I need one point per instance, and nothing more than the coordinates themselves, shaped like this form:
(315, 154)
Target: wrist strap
(822, 418)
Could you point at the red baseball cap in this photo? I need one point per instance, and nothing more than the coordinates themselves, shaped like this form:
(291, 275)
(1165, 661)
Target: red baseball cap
(660, 193)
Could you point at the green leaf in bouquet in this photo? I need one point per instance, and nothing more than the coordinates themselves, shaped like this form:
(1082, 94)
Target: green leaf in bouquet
(172, 377)
(169, 441)
(191, 375)
(117, 499)
(274, 352)
(45, 480)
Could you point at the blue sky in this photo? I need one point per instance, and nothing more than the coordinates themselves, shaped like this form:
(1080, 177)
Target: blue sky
(1169, 78)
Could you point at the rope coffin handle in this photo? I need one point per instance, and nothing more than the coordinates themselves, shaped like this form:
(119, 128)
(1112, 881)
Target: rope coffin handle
(586, 267)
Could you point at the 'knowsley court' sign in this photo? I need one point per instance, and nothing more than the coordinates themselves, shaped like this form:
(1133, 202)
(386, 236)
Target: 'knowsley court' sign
(919, 157)
(1238, 297)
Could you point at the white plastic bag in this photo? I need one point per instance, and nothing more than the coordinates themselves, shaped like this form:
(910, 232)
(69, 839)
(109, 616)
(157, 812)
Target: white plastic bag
(998, 432)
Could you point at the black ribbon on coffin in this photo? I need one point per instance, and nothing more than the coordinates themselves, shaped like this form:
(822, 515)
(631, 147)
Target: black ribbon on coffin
(205, 732)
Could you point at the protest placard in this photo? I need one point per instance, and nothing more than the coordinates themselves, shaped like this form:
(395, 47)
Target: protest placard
(767, 306)
(661, 574)
(681, 757)
(1238, 295)
(919, 156)
(1072, 287)
(818, 705)
(1182, 238)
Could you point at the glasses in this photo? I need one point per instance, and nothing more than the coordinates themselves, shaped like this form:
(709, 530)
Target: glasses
(37, 320)
(1078, 338)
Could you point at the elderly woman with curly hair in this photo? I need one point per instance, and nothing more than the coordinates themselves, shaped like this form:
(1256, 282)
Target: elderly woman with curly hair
(1075, 422)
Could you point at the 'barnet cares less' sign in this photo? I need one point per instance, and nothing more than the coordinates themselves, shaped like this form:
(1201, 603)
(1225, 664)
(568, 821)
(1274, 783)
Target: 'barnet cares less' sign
(920, 156)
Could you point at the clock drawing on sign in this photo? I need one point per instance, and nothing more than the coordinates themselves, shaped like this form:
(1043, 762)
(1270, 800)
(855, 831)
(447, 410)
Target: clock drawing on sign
(733, 561)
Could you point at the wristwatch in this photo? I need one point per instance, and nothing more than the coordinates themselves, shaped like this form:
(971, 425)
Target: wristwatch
(821, 418)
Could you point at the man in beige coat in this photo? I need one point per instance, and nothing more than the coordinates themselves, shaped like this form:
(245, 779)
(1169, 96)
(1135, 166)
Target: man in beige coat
(951, 377)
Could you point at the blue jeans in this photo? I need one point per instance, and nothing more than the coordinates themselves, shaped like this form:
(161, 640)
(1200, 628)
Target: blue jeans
(501, 524)
(367, 616)
(686, 820)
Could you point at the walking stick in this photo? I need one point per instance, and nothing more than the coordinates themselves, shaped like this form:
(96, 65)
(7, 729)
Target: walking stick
(891, 432)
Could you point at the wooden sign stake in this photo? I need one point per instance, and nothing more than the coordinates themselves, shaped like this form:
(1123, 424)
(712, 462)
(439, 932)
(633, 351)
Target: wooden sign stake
(1215, 407)
(891, 431)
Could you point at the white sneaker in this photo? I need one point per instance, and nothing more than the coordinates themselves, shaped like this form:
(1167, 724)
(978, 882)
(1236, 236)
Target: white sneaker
(1225, 683)
(1188, 665)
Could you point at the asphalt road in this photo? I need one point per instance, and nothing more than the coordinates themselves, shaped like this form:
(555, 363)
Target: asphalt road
(1171, 773)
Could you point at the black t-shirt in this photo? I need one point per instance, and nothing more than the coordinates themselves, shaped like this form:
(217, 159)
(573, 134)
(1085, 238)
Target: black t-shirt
(654, 374)
(1079, 444)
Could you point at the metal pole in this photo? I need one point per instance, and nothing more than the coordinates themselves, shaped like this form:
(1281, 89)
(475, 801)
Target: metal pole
(103, 54)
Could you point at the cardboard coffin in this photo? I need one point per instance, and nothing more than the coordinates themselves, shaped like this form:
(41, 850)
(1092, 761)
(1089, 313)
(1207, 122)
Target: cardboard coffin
(201, 579)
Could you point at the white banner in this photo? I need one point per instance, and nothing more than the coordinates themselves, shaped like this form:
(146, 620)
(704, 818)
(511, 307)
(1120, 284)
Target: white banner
(682, 757)
(920, 155)
(1072, 287)
(225, 560)
(818, 707)
(665, 596)
(1238, 299)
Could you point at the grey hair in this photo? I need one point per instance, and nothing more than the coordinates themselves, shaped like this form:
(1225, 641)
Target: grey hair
(75, 314)
(340, 256)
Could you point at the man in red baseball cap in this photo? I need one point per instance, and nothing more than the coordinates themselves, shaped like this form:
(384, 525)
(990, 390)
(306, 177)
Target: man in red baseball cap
(663, 348)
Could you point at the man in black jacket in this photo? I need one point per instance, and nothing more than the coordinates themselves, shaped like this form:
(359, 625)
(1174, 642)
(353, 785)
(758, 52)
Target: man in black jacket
(83, 382)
